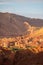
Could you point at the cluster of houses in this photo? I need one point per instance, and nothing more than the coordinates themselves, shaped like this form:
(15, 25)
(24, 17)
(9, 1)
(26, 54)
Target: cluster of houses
(21, 42)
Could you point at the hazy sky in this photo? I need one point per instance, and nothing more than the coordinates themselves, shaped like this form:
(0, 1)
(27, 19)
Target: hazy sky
(28, 8)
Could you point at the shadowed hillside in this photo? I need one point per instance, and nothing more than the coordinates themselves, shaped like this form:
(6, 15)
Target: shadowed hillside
(13, 25)
(20, 57)
(26, 57)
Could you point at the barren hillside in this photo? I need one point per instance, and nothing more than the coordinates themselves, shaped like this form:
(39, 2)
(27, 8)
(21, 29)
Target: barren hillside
(13, 25)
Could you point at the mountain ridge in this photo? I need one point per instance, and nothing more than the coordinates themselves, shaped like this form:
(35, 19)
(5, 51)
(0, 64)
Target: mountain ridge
(13, 24)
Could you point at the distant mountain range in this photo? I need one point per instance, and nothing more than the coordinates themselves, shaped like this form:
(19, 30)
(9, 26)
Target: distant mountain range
(15, 25)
